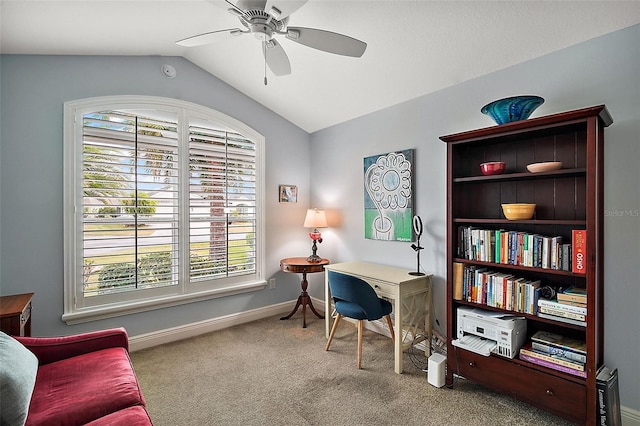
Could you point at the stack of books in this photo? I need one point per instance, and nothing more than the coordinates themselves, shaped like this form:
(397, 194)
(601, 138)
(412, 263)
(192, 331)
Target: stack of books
(570, 306)
(556, 352)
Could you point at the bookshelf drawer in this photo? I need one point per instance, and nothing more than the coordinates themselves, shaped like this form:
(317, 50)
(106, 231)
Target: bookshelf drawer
(562, 397)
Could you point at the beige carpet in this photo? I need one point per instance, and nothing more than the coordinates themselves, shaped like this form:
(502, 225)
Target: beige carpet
(272, 372)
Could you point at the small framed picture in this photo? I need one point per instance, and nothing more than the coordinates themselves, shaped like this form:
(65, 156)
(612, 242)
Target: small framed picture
(288, 194)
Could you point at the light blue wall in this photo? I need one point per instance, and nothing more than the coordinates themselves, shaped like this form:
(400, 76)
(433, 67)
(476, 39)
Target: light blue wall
(33, 90)
(605, 70)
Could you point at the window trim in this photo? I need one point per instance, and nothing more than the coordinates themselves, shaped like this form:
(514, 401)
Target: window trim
(72, 163)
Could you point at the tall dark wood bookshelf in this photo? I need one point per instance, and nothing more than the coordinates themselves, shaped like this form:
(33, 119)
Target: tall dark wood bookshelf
(566, 199)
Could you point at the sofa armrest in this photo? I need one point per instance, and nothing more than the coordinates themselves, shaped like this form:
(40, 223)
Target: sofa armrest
(51, 349)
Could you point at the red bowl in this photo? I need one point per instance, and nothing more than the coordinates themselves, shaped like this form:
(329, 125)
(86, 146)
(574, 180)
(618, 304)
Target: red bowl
(493, 168)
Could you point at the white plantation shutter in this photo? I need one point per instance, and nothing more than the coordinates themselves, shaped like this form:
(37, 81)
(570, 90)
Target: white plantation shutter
(222, 203)
(130, 186)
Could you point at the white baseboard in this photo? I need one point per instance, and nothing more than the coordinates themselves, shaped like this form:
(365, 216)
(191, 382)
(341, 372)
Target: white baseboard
(630, 417)
(181, 332)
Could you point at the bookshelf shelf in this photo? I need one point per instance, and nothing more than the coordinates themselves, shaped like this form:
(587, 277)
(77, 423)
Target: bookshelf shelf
(520, 268)
(576, 223)
(522, 176)
(521, 314)
(566, 200)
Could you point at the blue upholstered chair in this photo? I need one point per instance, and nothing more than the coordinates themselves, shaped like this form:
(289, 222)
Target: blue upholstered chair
(354, 298)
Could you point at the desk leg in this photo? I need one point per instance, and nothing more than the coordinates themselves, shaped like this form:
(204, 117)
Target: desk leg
(304, 300)
(398, 316)
(327, 307)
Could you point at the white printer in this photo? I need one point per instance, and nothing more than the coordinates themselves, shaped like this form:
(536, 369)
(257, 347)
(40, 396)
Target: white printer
(485, 332)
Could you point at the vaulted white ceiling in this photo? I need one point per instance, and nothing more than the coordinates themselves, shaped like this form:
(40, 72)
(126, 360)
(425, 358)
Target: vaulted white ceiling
(414, 47)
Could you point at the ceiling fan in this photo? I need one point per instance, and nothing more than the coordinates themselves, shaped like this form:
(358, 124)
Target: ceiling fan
(266, 19)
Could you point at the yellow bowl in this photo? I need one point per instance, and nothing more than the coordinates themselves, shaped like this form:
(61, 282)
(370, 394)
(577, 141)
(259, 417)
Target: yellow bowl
(518, 211)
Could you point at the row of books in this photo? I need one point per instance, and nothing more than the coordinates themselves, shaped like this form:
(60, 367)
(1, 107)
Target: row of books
(501, 290)
(523, 249)
(557, 352)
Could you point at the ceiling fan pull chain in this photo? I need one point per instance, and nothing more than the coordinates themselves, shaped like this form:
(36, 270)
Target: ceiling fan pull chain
(264, 49)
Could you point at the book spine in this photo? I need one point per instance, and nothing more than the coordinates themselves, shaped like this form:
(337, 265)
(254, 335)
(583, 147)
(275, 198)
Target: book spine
(504, 247)
(562, 313)
(546, 255)
(538, 251)
(562, 298)
(458, 270)
(582, 304)
(554, 359)
(551, 365)
(562, 306)
(579, 243)
(566, 257)
(492, 246)
(536, 297)
(559, 341)
(553, 350)
(556, 252)
(562, 319)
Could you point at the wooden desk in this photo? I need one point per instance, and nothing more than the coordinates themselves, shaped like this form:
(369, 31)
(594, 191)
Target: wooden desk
(300, 265)
(410, 296)
(15, 314)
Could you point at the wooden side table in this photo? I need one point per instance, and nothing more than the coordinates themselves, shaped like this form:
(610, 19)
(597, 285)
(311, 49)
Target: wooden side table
(15, 314)
(300, 265)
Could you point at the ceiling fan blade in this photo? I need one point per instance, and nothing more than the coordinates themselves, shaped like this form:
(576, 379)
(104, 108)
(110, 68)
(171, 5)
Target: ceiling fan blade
(327, 41)
(276, 57)
(236, 8)
(284, 7)
(208, 38)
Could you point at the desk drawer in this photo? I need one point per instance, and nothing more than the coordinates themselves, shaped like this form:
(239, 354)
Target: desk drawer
(383, 288)
(563, 397)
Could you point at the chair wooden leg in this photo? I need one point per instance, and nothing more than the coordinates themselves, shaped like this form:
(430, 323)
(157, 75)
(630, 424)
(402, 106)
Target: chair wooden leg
(393, 336)
(333, 331)
(360, 326)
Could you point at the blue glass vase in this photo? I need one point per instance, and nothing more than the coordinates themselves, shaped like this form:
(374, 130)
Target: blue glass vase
(511, 109)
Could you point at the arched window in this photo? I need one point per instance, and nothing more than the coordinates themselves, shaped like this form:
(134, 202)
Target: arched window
(163, 205)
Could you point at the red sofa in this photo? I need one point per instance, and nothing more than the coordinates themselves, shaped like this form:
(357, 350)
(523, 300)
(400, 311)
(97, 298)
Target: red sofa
(85, 379)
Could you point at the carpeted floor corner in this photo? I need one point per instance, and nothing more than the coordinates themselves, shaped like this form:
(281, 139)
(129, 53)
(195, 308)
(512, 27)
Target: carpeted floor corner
(272, 372)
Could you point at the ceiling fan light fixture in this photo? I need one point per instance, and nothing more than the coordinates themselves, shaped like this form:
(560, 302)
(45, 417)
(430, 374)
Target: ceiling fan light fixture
(275, 13)
(262, 32)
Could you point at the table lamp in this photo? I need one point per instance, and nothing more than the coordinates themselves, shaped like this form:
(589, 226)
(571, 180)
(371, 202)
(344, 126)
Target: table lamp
(315, 219)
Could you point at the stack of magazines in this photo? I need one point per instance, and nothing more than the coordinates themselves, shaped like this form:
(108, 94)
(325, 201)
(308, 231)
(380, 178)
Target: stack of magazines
(557, 352)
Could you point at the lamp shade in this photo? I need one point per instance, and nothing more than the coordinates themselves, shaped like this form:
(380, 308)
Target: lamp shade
(315, 219)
